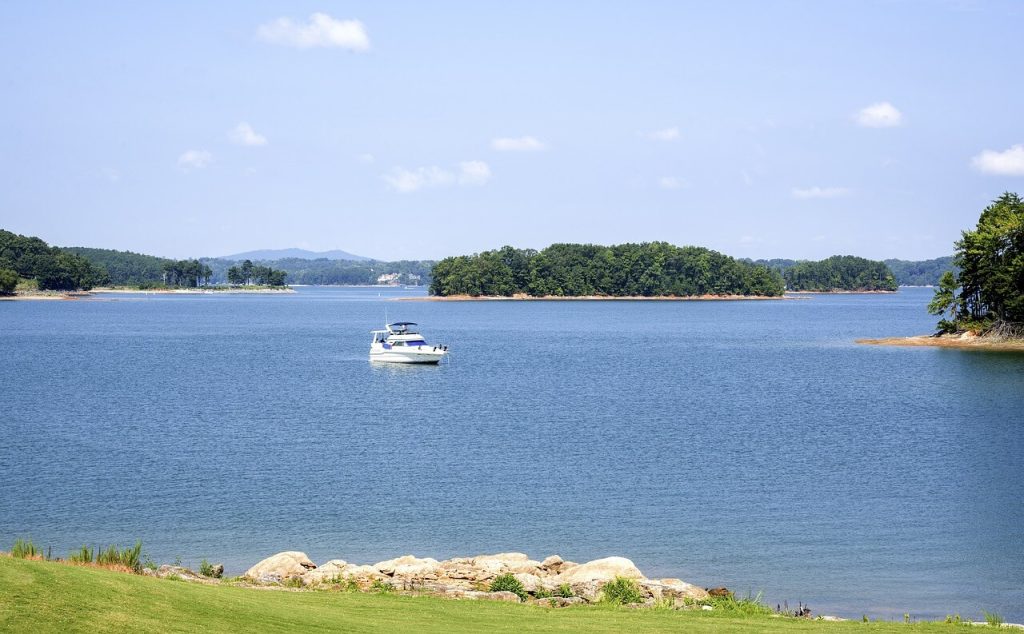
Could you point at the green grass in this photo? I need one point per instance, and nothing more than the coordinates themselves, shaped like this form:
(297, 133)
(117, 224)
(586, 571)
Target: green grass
(621, 591)
(40, 596)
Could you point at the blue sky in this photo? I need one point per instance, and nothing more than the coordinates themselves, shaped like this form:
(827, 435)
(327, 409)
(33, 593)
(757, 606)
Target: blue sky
(420, 130)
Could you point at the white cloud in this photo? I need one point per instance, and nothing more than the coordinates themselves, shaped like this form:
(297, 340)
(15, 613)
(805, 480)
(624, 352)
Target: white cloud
(194, 159)
(667, 134)
(879, 115)
(671, 182)
(321, 30)
(243, 134)
(517, 144)
(1009, 162)
(820, 192)
(409, 180)
(405, 181)
(474, 173)
(366, 158)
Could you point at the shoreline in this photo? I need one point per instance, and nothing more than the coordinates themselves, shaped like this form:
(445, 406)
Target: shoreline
(591, 298)
(192, 291)
(842, 292)
(965, 341)
(76, 295)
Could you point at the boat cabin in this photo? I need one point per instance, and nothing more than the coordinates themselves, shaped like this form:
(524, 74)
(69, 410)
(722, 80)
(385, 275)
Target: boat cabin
(398, 334)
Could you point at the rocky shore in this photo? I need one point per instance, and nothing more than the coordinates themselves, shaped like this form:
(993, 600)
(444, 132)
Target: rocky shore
(552, 581)
(966, 340)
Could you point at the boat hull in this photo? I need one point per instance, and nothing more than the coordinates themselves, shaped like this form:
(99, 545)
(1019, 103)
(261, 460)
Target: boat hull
(405, 356)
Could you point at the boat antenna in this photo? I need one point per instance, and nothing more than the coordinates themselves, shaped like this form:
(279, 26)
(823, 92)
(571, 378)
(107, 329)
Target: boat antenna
(385, 317)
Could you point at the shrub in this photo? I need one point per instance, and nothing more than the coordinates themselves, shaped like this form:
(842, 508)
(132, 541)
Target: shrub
(621, 591)
(508, 583)
(564, 591)
(292, 582)
(382, 587)
(543, 593)
(993, 619)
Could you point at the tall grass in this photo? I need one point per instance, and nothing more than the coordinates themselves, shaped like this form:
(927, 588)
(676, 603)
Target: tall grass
(749, 606)
(113, 556)
(83, 555)
(25, 549)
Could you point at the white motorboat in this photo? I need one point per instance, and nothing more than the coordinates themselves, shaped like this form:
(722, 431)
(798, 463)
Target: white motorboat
(400, 342)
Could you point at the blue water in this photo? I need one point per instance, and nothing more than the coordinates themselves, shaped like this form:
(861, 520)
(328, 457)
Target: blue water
(745, 444)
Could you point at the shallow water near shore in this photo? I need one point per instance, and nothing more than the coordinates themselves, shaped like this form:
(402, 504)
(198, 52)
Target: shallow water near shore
(746, 444)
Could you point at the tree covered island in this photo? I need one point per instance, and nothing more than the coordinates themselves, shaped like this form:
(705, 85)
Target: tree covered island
(840, 273)
(651, 269)
(981, 304)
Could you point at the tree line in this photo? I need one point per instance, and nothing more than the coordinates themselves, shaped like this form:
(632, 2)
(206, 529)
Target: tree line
(987, 293)
(248, 273)
(50, 267)
(651, 269)
(840, 272)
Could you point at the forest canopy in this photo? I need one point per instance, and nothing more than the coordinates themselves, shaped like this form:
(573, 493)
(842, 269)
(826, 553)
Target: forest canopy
(987, 294)
(840, 273)
(650, 269)
(51, 268)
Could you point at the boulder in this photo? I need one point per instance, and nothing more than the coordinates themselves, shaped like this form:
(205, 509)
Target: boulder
(333, 569)
(388, 567)
(551, 565)
(281, 566)
(420, 568)
(531, 583)
(504, 595)
(677, 588)
(600, 570)
(216, 571)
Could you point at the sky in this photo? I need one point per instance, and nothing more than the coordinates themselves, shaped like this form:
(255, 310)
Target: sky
(414, 130)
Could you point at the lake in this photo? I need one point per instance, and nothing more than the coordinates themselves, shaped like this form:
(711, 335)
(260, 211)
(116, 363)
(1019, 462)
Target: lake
(745, 444)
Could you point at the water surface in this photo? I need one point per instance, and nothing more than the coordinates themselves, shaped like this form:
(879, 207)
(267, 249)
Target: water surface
(746, 444)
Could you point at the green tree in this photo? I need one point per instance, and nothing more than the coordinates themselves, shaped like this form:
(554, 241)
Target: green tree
(8, 281)
(991, 279)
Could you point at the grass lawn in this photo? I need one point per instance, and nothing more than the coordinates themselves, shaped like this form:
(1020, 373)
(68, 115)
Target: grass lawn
(38, 596)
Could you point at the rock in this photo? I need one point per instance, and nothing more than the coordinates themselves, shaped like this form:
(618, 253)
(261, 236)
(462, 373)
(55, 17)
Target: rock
(503, 595)
(179, 572)
(281, 566)
(677, 588)
(552, 564)
(602, 570)
(530, 582)
(505, 562)
(333, 569)
(421, 568)
(719, 592)
(217, 571)
(388, 567)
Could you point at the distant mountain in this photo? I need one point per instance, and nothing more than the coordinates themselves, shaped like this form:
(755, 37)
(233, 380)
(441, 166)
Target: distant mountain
(297, 254)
